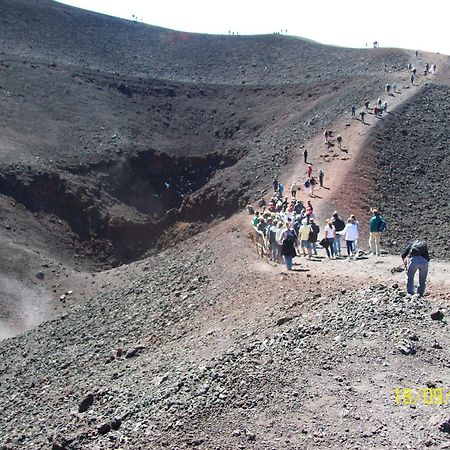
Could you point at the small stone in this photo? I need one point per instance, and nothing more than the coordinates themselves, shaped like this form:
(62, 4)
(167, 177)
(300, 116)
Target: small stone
(86, 403)
(104, 429)
(437, 315)
(283, 320)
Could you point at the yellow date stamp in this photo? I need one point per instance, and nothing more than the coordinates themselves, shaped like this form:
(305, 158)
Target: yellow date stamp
(424, 395)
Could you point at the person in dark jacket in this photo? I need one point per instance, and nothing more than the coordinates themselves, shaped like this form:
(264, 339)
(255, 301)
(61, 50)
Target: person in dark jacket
(339, 225)
(313, 235)
(375, 230)
(289, 239)
(416, 258)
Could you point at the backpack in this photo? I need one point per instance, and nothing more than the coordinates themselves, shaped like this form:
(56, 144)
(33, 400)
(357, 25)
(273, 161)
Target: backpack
(272, 235)
(307, 184)
(339, 224)
(418, 248)
(382, 226)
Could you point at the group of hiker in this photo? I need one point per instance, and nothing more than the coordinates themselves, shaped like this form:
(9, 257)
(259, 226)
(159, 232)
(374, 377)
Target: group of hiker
(286, 229)
(289, 228)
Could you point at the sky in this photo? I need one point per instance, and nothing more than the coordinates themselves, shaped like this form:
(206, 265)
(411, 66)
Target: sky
(350, 23)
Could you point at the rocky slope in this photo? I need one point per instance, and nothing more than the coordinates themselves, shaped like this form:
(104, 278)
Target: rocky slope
(410, 181)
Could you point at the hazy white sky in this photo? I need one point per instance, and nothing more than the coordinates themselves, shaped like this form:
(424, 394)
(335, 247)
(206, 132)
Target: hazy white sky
(393, 23)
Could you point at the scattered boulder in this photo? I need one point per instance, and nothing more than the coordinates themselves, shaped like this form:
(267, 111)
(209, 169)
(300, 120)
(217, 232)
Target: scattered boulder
(437, 315)
(86, 403)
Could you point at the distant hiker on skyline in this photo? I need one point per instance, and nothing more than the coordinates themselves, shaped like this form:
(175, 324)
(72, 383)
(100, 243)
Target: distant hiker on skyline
(305, 156)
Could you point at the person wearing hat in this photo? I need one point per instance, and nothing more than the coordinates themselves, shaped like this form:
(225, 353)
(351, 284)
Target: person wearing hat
(313, 235)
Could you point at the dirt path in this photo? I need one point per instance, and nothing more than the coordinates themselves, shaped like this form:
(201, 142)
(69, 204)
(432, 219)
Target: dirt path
(338, 165)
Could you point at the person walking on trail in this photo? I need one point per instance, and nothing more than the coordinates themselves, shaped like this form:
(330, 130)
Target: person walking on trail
(412, 78)
(339, 141)
(313, 235)
(289, 240)
(280, 189)
(305, 156)
(385, 105)
(309, 210)
(309, 170)
(321, 177)
(307, 186)
(294, 189)
(350, 233)
(304, 233)
(281, 229)
(416, 258)
(329, 235)
(375, 110)
(366, 104)
(275, 184)
(312, 186)
(326, 135)
(353, 112)
(358, 226)
(376, 226)
(272, 238)
(362, 114)
(339, 225)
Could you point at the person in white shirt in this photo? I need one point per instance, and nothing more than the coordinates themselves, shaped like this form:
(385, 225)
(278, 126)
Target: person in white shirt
(294, 189)
(330, 233)
(281, 229)
(351, 235)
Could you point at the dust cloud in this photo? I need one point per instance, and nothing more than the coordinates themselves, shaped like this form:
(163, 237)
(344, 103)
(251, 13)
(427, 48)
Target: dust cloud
(21, 307)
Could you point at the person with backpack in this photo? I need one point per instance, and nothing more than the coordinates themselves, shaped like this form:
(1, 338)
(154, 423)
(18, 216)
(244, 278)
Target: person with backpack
(376, 226)
(307, 186)
(338, 225)
(272, 238)
(313, 235)
(288, 241)
(416, 258)
(298, 208)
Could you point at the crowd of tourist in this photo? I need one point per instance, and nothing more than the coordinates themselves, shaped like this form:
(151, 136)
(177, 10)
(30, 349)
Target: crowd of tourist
(286, 228)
